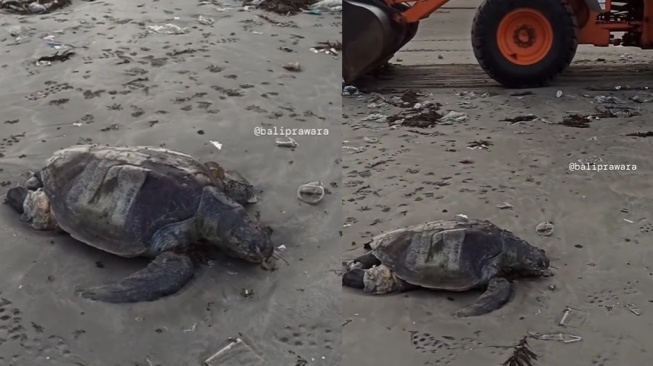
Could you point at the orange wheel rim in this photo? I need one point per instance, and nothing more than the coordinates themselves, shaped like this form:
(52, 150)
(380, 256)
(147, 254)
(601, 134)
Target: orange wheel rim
(525, 36)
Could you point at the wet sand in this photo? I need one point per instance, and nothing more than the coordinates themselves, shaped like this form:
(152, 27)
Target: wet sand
(126, 86)
(398, 176)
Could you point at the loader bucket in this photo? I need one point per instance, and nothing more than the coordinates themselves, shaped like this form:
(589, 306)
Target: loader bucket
(370, 37)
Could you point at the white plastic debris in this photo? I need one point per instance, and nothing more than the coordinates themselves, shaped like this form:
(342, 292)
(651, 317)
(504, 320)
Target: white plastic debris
(167, 29)
(287, 142)
(354, 150)
(311, 193)
(349, 90)
(559, 93)
(332, 5)
(454, 116)
(560, 337)
(36, 8)
(236, 353)
(544, 228)
(217, 144)
(634, 309)
(504, 206)
(205, 20)
(378, 117)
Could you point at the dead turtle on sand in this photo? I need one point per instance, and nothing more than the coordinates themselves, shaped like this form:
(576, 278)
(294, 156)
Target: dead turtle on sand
(143, 201)
(456, 255)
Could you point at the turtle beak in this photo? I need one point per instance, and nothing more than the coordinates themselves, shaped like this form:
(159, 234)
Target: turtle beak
(269, 264)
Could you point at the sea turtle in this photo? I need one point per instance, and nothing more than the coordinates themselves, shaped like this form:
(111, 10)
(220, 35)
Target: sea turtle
(450, 255)
(143, 201)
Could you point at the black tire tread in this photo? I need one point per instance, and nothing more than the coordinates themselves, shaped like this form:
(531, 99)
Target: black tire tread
(563, 20)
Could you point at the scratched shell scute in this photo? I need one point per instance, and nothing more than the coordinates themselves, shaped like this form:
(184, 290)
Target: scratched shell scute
(386, 239)
(438, 251)
(96, 188)
(136, 156)
(433, 249)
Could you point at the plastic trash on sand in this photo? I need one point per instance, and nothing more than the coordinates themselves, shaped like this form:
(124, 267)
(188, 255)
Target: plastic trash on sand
(634, 309)
(559, 337)
(236, 353)
(311, 193)
(454, 116)
(167, 29)
(329, 5)
(205, 20)
(572, 317)
(286, 142)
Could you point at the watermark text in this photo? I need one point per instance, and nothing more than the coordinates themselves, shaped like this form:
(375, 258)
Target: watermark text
(288, 132)
(601, 167)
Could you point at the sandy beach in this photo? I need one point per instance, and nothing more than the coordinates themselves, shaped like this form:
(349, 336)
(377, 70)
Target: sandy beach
(131, 83)
(396, 175)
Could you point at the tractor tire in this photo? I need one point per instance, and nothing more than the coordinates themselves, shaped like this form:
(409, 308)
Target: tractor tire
(524, 43)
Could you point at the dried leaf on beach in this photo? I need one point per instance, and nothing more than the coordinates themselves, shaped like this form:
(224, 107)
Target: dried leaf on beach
(521, 355)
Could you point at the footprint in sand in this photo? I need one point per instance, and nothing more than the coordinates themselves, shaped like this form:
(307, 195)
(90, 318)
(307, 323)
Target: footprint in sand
(307, 341)
(610, 298)
(36, 348)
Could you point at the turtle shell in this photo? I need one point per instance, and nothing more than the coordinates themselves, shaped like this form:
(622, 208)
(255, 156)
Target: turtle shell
(444, 255)
(117, 198)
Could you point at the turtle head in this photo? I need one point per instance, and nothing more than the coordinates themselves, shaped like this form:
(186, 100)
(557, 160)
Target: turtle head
(523, 259)
(230, 228)
(252, 242)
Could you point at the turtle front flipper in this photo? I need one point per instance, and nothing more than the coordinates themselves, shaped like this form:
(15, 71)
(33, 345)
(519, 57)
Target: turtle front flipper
(236, 186)
(239, 189)
(164, 276)
(496, 295)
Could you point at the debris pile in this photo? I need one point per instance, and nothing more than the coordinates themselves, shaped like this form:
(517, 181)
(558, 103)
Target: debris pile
(284, 7)
(408, 99)
(583, 121)
(57, 57)
(641, 134)
(425, 116)
(479, 144)
(26, 7)
(576, 120)
(523, 118)
(328, 47)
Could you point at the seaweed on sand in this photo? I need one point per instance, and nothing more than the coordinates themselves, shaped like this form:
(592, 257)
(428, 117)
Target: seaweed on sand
(521, 355)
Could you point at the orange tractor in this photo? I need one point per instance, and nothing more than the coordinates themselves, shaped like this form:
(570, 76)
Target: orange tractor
(519, 43)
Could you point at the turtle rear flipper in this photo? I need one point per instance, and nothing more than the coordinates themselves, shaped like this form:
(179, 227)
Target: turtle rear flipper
(496, 295)
(164, 276)
(366, 261)
(16, 197)
(34, 182)
(354, 278)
